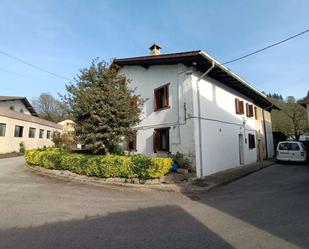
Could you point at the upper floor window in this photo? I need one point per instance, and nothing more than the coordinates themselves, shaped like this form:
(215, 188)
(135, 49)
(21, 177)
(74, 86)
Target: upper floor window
(239, 106)
(161, 97)
(161, 140)
(256, 113)
(41, 135)
(18, 132)
(249, 110)
(31, 132)
(2, 130)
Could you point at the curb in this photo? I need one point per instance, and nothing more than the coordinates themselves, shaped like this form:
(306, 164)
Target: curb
(227, 181)
(101, 181)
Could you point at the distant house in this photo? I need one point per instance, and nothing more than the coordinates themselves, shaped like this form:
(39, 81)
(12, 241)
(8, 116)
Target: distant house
(19, 122)
(198, 107)
(305, 103)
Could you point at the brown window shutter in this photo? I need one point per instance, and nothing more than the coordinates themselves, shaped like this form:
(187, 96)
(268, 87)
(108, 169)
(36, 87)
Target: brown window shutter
(156, 141)
(166, 96)
(241, 107)
(134, 142)
(247, 110)
(237, 105)
(155, 100)
(251, 110)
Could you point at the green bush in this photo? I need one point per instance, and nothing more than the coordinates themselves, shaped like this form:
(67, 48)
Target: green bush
(137, 166)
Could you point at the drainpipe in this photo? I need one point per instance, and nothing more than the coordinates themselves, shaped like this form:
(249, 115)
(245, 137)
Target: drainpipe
(199, 116)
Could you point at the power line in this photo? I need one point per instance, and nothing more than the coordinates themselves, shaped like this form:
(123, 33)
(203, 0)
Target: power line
(270, 46)
(34, 66)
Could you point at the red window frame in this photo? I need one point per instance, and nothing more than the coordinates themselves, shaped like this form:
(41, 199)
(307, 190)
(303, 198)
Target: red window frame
(158, 140)
(239, 106)
(157, 95)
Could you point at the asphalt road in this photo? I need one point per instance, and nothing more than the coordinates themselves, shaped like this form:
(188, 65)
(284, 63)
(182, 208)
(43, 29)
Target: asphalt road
(268, 209)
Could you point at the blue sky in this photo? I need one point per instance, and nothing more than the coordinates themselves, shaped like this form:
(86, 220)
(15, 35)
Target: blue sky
(64, 36)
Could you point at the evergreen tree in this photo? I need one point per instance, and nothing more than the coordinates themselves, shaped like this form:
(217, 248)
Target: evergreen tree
(103, 107)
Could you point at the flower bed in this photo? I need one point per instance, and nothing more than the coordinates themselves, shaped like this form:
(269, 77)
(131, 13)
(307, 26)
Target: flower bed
(100, 166)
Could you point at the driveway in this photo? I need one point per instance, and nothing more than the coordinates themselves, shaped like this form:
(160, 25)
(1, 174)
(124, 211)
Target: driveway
(268, 209)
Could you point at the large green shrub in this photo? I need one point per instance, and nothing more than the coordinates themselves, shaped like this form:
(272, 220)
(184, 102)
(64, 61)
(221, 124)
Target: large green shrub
(100, 166)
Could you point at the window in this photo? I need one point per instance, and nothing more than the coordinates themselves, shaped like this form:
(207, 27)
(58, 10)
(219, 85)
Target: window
(132, 143)
(256, 113)
(284, 146)
(12, 108)
(2, 130)
(294, 146)
(161, 140)
(239, 106)
(251, 139)
(48, 134)
(249, 110)
(21, 110)
(31, 132)
(18, 131)
(161, 98)
(41, 135)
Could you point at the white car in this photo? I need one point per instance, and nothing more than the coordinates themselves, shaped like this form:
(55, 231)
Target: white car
(291, 151)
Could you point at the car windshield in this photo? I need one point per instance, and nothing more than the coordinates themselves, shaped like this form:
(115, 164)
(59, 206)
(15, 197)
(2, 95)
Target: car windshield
(283, 146)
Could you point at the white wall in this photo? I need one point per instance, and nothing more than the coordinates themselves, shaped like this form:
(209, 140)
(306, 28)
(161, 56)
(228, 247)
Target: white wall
(17, 104)
(221, 126)
(9, 143)
(145, 80)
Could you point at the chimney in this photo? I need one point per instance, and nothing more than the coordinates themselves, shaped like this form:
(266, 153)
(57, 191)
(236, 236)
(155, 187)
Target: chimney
(155, 49)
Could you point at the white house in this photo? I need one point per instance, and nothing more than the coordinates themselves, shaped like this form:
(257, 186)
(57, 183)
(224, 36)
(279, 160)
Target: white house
(198, 107)
(19, 122)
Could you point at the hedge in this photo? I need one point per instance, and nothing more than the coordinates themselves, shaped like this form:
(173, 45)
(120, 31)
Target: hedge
(136, 166)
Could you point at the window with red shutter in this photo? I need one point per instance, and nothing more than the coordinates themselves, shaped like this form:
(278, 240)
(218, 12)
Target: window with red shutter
(161, 140)
(249, 110)
(161, 98)
(132, 143)
(239, 106)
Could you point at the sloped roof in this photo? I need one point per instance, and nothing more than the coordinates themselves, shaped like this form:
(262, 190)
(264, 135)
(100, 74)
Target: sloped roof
(23, 99)
(202, 61)
(28, 118)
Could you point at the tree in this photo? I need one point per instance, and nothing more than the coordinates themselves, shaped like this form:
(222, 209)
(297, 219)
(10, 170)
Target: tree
(103, 107)
(291, 120)
(50, 108)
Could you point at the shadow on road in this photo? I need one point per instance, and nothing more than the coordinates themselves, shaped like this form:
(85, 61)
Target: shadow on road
(275, 200)
(161, 227)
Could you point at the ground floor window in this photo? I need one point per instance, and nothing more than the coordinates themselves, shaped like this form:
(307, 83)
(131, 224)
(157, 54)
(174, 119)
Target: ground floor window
(48, 134)
(18, 131)
(251, 139)
(161, 140)
(31, 132)
(132, 143)
(41, 135)
(2, 130)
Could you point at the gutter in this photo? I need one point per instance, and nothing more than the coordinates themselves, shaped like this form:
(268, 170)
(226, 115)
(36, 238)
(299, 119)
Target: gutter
(199, 116)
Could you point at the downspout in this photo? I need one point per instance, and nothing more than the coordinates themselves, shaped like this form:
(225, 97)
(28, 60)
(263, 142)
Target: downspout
(265, 132)
(199, 116)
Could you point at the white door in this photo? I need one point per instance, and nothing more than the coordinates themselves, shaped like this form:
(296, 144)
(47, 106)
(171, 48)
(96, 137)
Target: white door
(241, 148)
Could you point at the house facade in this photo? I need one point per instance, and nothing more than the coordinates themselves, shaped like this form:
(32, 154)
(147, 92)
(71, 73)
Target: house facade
(19, 123)
(196, 106)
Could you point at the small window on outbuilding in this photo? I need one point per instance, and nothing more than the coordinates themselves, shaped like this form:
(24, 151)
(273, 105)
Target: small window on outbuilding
(2, 130)
(251, 139)
(48, 133)
(239, 106)
(41, 135)
(18, 132)
(12, 108)
(161, 140)
(32, 132)
(161, 97)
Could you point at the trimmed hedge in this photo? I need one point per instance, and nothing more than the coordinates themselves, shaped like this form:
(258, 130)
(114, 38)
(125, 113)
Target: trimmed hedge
(100, 166)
